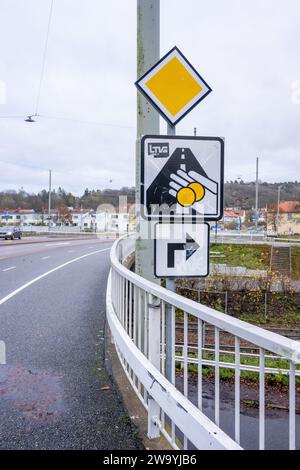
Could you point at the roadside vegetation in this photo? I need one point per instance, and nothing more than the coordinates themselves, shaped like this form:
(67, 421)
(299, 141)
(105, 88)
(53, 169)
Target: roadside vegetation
(261, 300)
(267, 300)
(248, 256)
(227, 373)
(296, 262)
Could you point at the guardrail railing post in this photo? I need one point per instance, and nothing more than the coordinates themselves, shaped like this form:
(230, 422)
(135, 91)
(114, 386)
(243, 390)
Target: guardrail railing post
(170, 285)
(150, 304)
(154, 357)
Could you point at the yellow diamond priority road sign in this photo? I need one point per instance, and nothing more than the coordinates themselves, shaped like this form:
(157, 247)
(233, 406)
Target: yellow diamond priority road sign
(173, 86)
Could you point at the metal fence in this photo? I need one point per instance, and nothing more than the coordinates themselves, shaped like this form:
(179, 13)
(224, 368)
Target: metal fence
(262, 305)
(238, 237)
(67, 230)
(45, 229)
(139, 313)
(251, 238)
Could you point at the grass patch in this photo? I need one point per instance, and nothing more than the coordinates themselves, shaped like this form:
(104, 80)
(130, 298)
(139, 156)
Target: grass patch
(248, 256)
(290, 317)
(228, 374)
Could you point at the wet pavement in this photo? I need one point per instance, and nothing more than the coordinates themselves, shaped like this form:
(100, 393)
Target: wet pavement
(55, 391)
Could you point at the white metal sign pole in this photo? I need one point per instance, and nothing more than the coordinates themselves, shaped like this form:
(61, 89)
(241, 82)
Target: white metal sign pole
(170, 285)
(148, 34)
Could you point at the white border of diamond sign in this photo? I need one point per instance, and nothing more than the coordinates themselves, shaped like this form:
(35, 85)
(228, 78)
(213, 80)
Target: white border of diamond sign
(142, 87)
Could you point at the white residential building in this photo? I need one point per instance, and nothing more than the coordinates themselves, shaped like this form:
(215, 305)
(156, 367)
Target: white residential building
(19, 217)
(83, 218)
(112, 222)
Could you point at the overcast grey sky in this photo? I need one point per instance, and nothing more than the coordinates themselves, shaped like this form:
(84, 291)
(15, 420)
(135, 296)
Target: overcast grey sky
(248, 52)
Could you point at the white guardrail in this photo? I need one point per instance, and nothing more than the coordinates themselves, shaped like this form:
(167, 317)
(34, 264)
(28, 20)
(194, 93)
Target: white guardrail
(141, 315)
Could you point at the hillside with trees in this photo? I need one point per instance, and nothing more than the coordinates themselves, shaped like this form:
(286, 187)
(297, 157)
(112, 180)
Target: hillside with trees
(237, 194)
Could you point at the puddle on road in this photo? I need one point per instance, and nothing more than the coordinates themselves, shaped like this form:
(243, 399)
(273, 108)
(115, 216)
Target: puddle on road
(37, 394)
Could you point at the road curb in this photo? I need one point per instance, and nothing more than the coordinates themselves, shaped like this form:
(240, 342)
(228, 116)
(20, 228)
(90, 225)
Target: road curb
(132, 404)
(50, 240)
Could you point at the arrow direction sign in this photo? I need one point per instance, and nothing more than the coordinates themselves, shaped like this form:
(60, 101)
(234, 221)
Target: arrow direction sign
(181, 250)
(190, 247)
(172, 248)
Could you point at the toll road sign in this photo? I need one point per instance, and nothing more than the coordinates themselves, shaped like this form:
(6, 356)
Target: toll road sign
(182, 250)
(173, 86)
(182, 177)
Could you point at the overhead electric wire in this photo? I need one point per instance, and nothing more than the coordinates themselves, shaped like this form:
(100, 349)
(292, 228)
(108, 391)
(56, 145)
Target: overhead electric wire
(44, 60)
(40, 89)
(11, 117)
(80, 121)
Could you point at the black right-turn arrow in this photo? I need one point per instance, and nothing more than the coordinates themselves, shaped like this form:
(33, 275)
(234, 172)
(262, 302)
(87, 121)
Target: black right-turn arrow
(190, 247)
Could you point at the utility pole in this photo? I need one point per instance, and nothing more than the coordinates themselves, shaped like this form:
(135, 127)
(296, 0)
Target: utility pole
(49, 200)
(278, 204)
(256, 196)
(148, 44)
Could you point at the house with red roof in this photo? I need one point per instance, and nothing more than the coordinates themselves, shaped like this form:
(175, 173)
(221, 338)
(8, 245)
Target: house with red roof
(284, 220)
(233, 215)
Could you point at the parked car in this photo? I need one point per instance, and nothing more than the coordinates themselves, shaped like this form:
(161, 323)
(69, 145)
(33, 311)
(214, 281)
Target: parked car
(9, 232)
(219, 228)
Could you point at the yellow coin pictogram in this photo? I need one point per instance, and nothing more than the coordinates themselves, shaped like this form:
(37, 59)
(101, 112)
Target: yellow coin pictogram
(186, 197)
(198, 190)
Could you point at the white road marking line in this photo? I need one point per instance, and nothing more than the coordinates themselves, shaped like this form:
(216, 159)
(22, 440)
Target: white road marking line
(15, 292)
(2, 353)
(9, 269)
(46, 257)
(71, 251)
(57, 244)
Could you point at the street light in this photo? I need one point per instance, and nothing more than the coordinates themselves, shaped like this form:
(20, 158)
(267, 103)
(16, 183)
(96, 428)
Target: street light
(278, 203)
(29, 118)
(256, 197)
(49, 200)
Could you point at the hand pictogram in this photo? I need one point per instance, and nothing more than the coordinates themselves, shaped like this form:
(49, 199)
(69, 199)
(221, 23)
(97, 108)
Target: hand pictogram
(189, 188)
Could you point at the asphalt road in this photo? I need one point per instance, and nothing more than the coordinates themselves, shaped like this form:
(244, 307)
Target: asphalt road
(53, 326)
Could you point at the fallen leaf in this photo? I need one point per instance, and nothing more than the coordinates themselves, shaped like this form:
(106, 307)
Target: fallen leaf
(104, 388)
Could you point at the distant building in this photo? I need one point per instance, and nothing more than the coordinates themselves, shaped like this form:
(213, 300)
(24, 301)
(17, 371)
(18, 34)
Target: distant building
(261, 215)
(19, 216)
(234, 216)
(288, 220)
(83, 218)
(113, 222)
